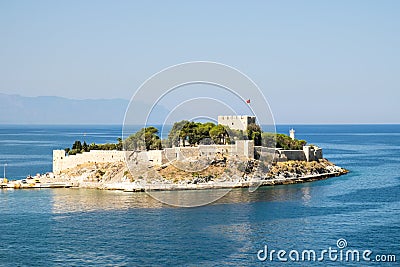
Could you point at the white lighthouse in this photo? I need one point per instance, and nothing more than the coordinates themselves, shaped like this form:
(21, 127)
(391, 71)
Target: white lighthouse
(291, 133)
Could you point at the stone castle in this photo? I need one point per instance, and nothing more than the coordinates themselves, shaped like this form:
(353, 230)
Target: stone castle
(242, 149)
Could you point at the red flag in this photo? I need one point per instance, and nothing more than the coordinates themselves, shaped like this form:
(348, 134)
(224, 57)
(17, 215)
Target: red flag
(248, 101)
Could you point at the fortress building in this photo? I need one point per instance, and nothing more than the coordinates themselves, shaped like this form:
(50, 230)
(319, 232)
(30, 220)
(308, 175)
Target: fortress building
(241, 149)
(236, 122)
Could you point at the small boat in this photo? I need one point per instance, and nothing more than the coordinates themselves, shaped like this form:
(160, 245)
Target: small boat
(55, 185)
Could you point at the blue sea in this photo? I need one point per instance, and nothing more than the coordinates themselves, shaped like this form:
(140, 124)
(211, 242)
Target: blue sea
(75, 227)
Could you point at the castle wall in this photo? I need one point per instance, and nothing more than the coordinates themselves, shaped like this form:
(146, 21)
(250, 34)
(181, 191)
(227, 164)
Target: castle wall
(318, 153)
(309, 153)
(241, 149)
(171, 153)
(211, 150)
(188, 152)
(61, 161)
(245, 148)
(153, 156)
(312, 153)
(293, 154)
(261, 151)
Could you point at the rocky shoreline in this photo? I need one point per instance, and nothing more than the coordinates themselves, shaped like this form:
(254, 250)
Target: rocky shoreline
(219, 175)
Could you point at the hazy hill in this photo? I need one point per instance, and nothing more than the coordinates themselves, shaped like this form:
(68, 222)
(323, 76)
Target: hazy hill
(16, 109)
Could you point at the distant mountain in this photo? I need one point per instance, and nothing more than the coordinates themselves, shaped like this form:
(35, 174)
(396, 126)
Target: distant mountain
(16, 109)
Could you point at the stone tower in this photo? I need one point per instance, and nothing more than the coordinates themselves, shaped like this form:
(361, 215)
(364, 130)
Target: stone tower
(58, 158)
(236, 122)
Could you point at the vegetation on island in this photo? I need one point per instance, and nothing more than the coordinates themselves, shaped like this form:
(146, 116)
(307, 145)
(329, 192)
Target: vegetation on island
(79, 147)
(186, 133)
(144, 139)
(282, 141)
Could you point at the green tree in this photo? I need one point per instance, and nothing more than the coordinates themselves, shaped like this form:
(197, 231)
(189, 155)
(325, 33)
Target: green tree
(175, 135)
(73, 152)
(144, 139)
(190, 133)
(85, 147)
(254, 133)
(219, 135)
(203, 133)
(193, 133)
(120, 144)
(93, 146)
(268, 139)
(77, 145)
(285, 142)
(152, 140)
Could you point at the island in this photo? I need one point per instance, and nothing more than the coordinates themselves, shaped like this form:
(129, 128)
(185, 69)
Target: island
(233, 153)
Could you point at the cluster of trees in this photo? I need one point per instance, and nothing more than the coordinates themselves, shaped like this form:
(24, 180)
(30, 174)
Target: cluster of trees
(192, 133)
(281, 141)
(79, 147)
(285, 142)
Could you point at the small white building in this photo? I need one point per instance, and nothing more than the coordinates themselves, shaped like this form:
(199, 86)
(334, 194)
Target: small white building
(291, 133)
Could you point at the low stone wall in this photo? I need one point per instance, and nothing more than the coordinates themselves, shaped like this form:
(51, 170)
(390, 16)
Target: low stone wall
(292, 154)
(61, 161)
(309, 153)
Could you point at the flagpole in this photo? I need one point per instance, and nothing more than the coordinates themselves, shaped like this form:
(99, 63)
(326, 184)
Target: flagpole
(248, 101)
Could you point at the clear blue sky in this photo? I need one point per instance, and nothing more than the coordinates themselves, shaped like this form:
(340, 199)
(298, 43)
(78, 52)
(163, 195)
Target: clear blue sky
(316, 61)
